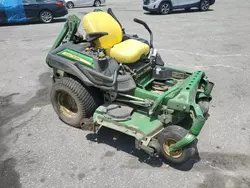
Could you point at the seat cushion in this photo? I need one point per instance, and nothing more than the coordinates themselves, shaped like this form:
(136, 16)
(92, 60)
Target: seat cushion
(103, 22)
(129, 51)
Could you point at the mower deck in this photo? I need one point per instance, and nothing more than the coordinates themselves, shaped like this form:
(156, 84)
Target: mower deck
(135, 123)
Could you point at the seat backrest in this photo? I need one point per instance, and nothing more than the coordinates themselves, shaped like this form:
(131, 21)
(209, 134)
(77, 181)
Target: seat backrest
(100, 21)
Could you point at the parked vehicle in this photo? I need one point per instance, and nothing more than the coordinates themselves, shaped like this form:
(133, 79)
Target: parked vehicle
(167, 6)
(79, 3)
(32, 10)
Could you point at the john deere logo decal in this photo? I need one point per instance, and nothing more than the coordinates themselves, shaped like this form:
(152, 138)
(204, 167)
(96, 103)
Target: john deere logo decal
(75, 57)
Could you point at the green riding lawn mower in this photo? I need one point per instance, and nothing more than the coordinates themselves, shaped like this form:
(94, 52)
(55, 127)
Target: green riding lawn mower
(109, 78)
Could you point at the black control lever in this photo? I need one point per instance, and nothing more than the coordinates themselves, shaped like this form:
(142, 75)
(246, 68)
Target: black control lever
(149, 30)
(110, 12)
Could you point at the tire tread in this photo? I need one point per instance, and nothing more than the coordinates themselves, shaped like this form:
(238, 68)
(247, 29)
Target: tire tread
(87, 101)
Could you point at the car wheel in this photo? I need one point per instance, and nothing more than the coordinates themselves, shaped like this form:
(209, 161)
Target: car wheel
(187, 9)
(204, 5)
(97, 3)
(70, 5)
(46, 16)
(165, 8)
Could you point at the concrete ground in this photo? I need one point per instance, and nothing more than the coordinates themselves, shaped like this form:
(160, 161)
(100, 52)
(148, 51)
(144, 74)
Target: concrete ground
(38, 150)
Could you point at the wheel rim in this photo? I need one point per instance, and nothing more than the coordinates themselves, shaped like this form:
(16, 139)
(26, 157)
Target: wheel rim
(165, 8)
(70, 5)
(204, 5)
(97, 3)
(46, 16)
(174, 154)
(67, 104)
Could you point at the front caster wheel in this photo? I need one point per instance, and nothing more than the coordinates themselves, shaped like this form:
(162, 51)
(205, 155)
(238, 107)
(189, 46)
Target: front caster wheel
(72, 101)
(170, 135)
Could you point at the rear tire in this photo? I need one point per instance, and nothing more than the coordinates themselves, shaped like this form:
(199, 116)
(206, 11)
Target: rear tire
(46, 16)
(171, 135)
(97, 3)
(165, 8)
(72, 101)
(70, 5)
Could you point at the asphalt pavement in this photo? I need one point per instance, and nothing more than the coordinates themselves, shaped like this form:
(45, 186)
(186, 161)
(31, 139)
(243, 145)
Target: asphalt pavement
(38, 150)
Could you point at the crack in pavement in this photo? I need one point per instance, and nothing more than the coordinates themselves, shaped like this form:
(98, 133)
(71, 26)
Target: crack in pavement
(17, 136)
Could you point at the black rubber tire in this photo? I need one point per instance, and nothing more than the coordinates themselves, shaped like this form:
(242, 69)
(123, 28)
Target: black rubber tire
(97, 3)
(165, 3)
(43, 14)
(204, 5)
(187, 9)
(85, 99)
(70, 5)
(175, 133)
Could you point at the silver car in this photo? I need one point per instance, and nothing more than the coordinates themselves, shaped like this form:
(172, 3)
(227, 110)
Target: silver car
(80, 3)
(166, 6)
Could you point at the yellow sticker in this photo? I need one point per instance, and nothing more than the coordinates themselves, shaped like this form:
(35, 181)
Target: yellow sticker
(178, 74)
(75, 57)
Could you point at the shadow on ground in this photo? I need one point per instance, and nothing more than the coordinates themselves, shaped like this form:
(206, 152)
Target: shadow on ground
(179, 12)
(8, 111)
(217, 179)
(32, 23)
(89, 6)
(202, 162)
(127, 144)
(8, 176)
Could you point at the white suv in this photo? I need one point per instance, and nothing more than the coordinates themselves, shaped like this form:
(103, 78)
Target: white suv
(166, 6)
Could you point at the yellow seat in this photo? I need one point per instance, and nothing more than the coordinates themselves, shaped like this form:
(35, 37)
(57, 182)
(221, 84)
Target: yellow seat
(128, 51)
